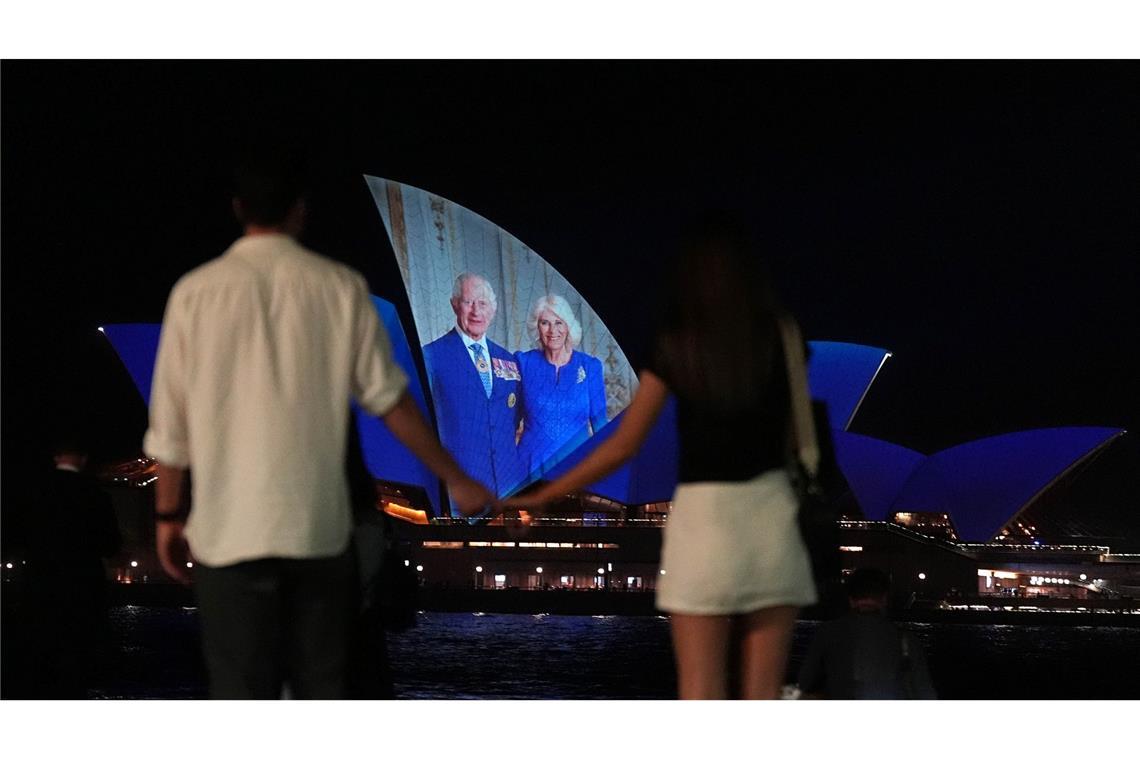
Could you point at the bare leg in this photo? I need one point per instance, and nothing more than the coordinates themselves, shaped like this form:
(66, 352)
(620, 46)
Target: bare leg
(766, 636)
(701, 643)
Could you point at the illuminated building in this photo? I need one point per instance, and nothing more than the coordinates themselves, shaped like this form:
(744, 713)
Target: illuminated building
(969, 521)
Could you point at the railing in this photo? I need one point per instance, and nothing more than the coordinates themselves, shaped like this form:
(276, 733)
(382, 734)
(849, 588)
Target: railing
(569, 522)
(1014, 548)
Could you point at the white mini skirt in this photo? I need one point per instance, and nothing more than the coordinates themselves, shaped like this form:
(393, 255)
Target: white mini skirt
(731, 548)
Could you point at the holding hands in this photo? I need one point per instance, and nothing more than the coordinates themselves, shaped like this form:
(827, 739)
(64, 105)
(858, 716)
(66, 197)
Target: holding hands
(471, 496)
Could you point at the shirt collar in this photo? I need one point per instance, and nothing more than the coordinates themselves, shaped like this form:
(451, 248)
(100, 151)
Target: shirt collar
(270, 242)
(469, 341)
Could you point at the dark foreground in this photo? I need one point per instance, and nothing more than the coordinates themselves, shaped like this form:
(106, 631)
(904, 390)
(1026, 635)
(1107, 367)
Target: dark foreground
(462, 655)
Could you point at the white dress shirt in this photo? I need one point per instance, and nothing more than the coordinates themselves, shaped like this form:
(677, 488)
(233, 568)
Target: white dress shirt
(260, 353)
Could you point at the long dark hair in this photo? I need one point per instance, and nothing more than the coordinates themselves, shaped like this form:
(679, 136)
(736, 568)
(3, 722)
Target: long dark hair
(718, 327)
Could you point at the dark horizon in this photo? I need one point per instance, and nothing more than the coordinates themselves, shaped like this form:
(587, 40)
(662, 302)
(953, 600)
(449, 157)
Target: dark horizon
(977, 219)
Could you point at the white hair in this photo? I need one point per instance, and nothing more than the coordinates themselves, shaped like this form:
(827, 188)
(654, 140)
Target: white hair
(457, 288)
(562, 310)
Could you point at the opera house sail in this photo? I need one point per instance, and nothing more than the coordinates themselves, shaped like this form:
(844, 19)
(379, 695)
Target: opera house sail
(524, 378)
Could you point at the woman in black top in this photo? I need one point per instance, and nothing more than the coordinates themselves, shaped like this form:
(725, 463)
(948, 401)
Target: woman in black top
(734, 568)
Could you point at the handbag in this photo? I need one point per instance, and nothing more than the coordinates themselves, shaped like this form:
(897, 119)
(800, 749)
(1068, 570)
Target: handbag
(818, 483)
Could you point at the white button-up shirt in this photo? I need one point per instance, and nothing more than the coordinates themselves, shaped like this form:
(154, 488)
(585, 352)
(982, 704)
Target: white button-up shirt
(261, 351)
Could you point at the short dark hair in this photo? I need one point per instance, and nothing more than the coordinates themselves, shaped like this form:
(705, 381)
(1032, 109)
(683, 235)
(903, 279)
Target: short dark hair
(867, 583)
(267, 184)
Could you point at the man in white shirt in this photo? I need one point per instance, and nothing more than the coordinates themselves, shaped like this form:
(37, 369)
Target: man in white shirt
(261, 351)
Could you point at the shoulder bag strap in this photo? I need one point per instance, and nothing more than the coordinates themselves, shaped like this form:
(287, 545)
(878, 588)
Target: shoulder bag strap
(803, 426)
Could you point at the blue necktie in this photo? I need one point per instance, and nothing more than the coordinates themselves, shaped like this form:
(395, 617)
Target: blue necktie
(482, 367)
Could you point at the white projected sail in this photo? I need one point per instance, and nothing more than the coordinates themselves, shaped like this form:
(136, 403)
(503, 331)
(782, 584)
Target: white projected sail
(436, 240)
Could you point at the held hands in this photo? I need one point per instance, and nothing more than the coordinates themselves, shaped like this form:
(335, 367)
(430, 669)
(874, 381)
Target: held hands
(470, 496)
(474, 500)
(534, 502)
(173, 551)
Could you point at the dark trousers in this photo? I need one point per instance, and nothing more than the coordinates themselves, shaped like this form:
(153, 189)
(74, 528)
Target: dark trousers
(271, 622)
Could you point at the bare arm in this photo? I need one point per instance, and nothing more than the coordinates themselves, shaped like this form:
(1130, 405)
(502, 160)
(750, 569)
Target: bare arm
(172, 498)
(408, 425)
(614, 451)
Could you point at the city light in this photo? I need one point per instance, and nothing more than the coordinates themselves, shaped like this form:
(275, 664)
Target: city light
(407, 562)
(662, 572)
(189, 564)
(478, 568)
(9, 565)
(134, 563)
(601, 571)
(1084, 577)
(538, 569)
(922, 576)
(419, 568)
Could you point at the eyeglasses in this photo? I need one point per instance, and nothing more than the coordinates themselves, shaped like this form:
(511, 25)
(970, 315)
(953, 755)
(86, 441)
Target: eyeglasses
(481, 303)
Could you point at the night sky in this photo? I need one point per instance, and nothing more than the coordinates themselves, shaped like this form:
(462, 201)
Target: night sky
(978, 219)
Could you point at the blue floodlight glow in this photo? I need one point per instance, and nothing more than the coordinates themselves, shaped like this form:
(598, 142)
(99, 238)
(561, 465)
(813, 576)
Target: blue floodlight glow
(841, 374)
(137, 345)
(652, 474)
(876, 470)
(387, 458)
(983, 484)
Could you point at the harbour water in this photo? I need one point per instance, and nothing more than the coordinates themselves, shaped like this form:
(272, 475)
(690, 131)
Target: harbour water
(502, 656)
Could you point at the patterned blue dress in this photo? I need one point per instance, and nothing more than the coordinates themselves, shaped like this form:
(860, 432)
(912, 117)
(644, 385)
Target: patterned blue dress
(561, 407)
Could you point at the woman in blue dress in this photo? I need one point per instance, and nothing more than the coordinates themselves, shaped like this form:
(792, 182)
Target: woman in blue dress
(563, 393)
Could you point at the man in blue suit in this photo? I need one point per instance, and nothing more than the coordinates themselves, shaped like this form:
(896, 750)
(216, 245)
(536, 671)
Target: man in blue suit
(475, 386)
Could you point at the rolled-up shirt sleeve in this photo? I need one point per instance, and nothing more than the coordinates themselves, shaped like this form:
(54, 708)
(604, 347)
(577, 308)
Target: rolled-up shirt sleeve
(378, 382)
(167, 437)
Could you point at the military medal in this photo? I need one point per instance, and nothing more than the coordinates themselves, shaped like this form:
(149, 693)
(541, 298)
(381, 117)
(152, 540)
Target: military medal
(511, 401)
(581, 374)
(506, 369)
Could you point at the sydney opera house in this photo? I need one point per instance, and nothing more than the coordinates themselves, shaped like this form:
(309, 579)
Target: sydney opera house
(972, 526)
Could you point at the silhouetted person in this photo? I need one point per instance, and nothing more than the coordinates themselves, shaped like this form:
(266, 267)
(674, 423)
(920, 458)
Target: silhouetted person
(734, 567)
(863, 655)
(68, 531)
(370, 673)
(262, 350)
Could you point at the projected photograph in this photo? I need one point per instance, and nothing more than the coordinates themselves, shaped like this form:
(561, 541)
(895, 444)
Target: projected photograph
(521, 371)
